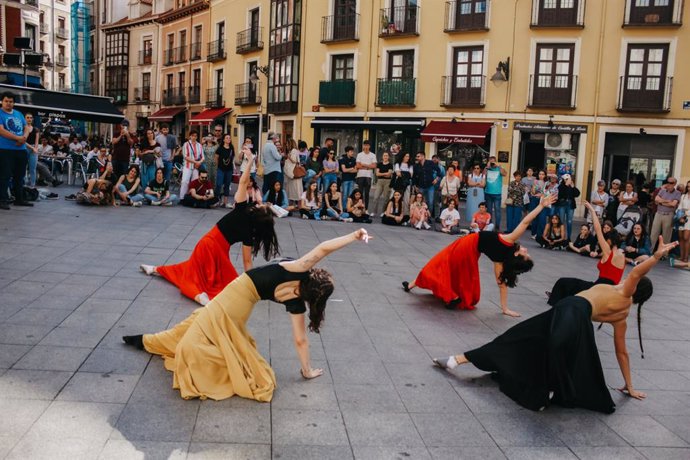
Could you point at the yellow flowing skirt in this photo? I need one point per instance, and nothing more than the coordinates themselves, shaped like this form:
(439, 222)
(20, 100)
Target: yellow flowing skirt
(211, 353)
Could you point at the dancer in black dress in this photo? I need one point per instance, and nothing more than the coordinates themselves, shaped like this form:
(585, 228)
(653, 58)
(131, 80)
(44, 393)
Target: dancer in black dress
(552, 357)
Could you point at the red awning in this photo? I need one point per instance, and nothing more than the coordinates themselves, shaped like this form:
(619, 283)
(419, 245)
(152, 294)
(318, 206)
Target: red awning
(460, 132)
(166, 114)
(207, 116)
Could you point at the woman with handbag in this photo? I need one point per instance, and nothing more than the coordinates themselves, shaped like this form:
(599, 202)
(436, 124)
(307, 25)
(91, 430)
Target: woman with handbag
(402, 179)
(450, 185)
(150, 152)
(476, 181)
(294, 172)
(515, 202)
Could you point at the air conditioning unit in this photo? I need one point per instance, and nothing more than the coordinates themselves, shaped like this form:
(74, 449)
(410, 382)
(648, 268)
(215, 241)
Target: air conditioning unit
(556, 141)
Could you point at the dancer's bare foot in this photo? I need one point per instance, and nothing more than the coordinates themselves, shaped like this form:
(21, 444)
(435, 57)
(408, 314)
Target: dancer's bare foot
(202, 299)
(311, 373)
(509, 312)
(150, 270)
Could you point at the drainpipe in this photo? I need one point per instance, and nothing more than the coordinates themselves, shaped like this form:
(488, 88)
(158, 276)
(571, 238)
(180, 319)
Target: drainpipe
(597, 94)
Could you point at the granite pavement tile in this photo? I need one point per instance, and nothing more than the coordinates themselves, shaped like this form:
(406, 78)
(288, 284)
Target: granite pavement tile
(308, 427)
(143, 450)
(221, 451)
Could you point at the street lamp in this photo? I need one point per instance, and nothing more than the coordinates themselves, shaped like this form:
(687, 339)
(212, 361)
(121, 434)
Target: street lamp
(254, 79)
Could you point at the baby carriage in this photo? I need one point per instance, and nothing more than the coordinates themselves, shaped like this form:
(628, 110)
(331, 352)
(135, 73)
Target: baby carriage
(630, 217)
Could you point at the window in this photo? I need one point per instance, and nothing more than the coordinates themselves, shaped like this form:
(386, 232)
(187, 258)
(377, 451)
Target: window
(400, 64)
(61, 23)
(344, 19)
(219, 78)
(645, 82)
(343, 67)
(169, 83)
(117, 65)
(552, 83)
(30, 32)
(147, 51)
(196, 43)
(146, 86)
(181, 80)
(467, 81)
(183, 38)
(654, 12)
(469, 14)
(285, 21)
(558, 13)
(220, 30)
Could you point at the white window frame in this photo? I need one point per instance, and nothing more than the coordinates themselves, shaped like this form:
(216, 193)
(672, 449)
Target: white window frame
(533, 61)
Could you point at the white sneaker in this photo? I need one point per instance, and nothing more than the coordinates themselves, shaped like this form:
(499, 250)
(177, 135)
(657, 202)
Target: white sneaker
(304, 216)
(155, 203)
(348, 219)
(167, 203)
(228, 206)
(427, 226)
(202, 299)
(136, 204)
(150, 270)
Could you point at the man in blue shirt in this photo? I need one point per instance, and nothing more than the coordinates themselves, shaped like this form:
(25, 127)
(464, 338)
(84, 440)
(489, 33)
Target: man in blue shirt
(494, 188)
(426, 174)
(348, 173)
(270, 158)
(13, 134)
(440, 174)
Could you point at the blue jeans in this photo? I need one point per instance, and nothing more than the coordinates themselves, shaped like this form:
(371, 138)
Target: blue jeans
(310, 175)
(167, 169)
(346, 190)
(566, 215)
(533, 203)
(514, 216)
(328, 179)
(172, 198)
(428, 194)
(33, 160)
(541, 221)
(223, 182)
(493, 206)
(333, 214)
(132, 198)
(148, 173)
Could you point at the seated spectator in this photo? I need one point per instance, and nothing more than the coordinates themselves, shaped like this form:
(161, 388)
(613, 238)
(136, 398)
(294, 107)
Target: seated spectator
(278, 200)
(394, 214)
(200, 193)
(127, 188)
(45, 176)
(637, 247)
(310, 204)
(98, 193)
(356, 208)
(606, 229)
(157, 192)
(584, 243)
(481, 221)
(331, 204)
(449, 220)
(555, 235)
(419, 213)
(253, 192)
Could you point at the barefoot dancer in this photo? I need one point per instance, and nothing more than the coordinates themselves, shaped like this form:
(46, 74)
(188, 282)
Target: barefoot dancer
(211, 353)
(209, 269)
(553, 356)
(453, 274)
(611, 266)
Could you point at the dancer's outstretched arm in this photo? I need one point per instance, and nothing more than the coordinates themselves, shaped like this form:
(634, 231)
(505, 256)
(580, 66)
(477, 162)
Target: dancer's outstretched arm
(601, 239)
(307, 261)
(527, 220)
(630, 283)
(241, 193)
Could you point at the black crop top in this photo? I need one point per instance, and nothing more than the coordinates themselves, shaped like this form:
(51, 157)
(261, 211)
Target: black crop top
(235, 225)
(495, 247)
(267, 277)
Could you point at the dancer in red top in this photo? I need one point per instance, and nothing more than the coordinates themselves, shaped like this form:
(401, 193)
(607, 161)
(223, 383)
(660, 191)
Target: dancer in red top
(209, 269)
(453, 274)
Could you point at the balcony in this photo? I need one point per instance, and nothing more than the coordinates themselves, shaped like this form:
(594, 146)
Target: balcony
(194, 95)
(169, 56)
(119, 95)
(142, 114)
(146, 57)
(248, 94)
(249, 40)
(214, 98)
(460, 16)
(63, 89)
(195, 51)
(216, 51)
(337, 93)
(463, 91)
(558, 17)
(61, 61)
(180, 54)
(47, 62)
(395, 92)
(174, 96)
(400, 21)
(559, 91)
(61, 33)
(340, 28)
(632, 98)
(670, 15)
(142, 94)
(44, 28)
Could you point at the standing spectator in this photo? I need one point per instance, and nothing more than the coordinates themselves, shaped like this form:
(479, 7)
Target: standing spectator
(565, 206)
(150, 153)
(611, 210)
(637, 247)
(248, 144)
(225, 159)
(528, 181)
(514, 202)
(313, 165)
(200, 193)
(644, 201)
(481, 221)
(168, 144)
(366, 164)
(330, 170)
(425, 177)
(585, 242)
(32, 148)
(218, 135)
(382, 188)
(684, 229)
(450, 219)
(304, 152)
(494, 189)
(394, 150)
(402, 178)
(419, 213)
(323, 152)
(13, 135)
(293, 185)
(476, 181)
(437, 185)
(210, 146)
(627, 198)
(122, 149)
(348, 170)
(158, 191)
(395, 211)
(270, 159)
(450, 186)
(666, 203)
(535, 196)
(193, 154)
(599, 200)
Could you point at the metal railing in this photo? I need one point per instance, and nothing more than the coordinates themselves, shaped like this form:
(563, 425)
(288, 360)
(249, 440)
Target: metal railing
(337, 93)
(61, 33)
(463, 91)
(44, 28)
(395, 91)
(638, 99)
(142, 93)
(174, 96)
(249, 40)
(342, 27)
(180, 54)
(194, 95)
(119, 95)
(169, 56)
(459, 19)
(216, 51)
(402, 20)
(561, 91)
(248, 94)
(558, 17)
(61, 60)
(195, 51)
(670, 15)
(146, 57)
(214, 98)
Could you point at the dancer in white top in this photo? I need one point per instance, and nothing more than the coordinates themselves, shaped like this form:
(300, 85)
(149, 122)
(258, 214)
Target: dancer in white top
(193, 154)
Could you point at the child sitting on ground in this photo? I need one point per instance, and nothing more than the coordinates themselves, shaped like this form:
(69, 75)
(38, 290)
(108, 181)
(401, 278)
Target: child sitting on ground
(481, 221)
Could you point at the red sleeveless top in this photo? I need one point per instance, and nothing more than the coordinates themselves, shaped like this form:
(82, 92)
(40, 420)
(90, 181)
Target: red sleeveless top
(609, 271)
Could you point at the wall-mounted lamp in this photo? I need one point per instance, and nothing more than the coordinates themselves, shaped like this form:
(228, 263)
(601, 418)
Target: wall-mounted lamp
(551, 124)
(502, 71)
(643, 131)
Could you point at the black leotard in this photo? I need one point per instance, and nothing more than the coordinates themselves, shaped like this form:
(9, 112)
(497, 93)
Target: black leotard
(267, 277)
(495, 247)
(235, 225)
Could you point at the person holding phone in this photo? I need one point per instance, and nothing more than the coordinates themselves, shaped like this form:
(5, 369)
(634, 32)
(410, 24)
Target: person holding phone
(493, 192)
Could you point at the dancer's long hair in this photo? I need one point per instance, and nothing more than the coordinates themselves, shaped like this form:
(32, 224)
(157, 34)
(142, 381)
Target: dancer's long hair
(315, 290)
(644, 291)
(264, 237)
(514, 266)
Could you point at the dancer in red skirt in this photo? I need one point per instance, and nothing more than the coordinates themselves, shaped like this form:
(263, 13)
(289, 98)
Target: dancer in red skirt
(452, 275)
(209, 269)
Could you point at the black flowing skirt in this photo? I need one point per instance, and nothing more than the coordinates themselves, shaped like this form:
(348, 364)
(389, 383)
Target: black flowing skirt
(566, 287)
(554, 351)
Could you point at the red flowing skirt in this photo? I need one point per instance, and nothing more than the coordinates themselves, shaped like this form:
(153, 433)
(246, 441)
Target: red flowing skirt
(208, 269)
(453, 273)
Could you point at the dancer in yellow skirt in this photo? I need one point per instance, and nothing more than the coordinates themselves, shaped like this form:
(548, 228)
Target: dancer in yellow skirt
(213, 355)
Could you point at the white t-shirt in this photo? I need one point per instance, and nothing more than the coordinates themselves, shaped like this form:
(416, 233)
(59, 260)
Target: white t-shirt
(366, 159)
(75, 147)
(448, 216)
(311, 204)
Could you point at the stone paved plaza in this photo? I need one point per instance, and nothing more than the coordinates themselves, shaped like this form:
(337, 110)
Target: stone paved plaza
(69, 388)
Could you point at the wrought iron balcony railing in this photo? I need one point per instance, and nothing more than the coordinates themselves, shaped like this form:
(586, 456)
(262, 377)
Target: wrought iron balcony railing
(337, 93)
(249, 40)
(340, 28)
(395, 92)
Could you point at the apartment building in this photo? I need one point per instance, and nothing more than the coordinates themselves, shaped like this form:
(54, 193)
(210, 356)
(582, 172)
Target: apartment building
(54, 43)
(19, 18)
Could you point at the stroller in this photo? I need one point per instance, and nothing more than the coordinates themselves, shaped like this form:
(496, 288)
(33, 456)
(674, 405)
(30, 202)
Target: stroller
(630, 217)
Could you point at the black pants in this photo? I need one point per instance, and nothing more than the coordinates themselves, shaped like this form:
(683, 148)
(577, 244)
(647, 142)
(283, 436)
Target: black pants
(562, 244)
(364, 186)
(12, 165)
(192, 202)
(385, 220)
(270, 179)
(120, 167)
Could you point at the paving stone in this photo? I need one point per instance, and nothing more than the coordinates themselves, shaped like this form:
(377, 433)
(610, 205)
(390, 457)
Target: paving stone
(521, 430)
(217, 451)
(312, 452)
(122, 360)
(10, 354)
(143, 450)
(451, 430)
(383, 397)
(643, 431)
(39, 317)
(31, 384)
(539, 453)
(666, 453)
(607, 453)
(93, 422)
(678, 424)
(167, 421)
(306, 394)
(381, 429)
(392, 453)
(36, 447)
(215, 423)
(19, 416)
(47, 358)
(308, 427)
(21, 334)
(466, 453)
(104, 388)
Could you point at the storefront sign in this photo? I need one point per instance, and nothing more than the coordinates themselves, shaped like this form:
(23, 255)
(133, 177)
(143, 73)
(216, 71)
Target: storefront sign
(452, 140)
(546, 128)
